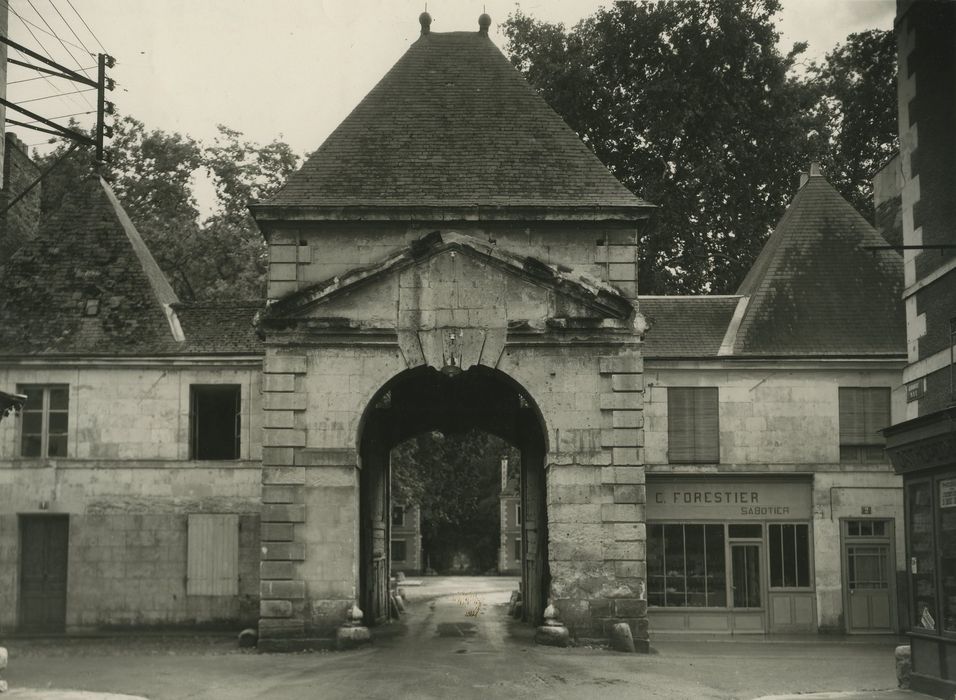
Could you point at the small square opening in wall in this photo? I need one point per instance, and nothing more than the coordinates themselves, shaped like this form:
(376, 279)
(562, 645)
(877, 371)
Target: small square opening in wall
(214, 421)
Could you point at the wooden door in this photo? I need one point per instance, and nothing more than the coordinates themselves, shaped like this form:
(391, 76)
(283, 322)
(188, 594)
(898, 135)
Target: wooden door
(375, 520)
(44, 541)
(535, 578)
(868, 587)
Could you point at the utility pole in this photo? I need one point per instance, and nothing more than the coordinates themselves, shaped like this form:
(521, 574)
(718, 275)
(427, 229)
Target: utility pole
(4, 19)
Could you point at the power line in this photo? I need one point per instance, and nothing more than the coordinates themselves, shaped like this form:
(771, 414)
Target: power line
(87, 26)
(57, 37)
(50, 97)
(41, 29)
(41, 77)
(70, 27)
(40, 43)
(63, 116)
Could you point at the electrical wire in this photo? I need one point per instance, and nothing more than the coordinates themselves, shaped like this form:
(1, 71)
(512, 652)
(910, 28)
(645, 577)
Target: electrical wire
(87, 26)
(62, 116)
(40, 77)
(65, 48)
(70, 27)
(50, 97)
(41, 29)
(40, 44)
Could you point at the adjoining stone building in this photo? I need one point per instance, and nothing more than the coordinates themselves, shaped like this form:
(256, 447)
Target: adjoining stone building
(922, 442)
(452, 257)
(771, 506)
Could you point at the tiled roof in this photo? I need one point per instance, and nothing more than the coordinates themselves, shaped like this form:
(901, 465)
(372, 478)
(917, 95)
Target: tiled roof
(88, 285)
(220, 327)
(691, 327)
(814, 290)
(85, 285)
(453, 124)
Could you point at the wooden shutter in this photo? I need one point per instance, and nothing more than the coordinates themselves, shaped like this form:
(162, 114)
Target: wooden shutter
(212, 555)
(693, 424)
(863, 412)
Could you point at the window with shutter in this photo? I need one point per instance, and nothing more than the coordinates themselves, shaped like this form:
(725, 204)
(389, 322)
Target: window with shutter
(693, 424)
(864, 411)
(215, 418)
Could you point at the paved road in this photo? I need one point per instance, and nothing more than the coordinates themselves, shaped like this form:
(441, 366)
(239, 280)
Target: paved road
(456, 641)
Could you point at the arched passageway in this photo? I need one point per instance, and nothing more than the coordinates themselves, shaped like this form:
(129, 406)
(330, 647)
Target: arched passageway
(423, 399)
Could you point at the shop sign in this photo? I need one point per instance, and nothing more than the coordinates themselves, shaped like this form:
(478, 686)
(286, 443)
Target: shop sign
(947, 493)
(728, 500)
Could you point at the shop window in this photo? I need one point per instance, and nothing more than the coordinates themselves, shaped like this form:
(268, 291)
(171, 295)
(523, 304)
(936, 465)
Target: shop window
(686, 565)
(789, 555)
(398, 516)
(947, 551)
(214, 421)
(518, 549)
(44, 420)
(922, 562)
(864, 411)
(692, 424)
(399, 551)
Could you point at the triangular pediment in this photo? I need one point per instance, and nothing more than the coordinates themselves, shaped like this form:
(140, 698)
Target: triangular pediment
(443, 273)
(452, 299)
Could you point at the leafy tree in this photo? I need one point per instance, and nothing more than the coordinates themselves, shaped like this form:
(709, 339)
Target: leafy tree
(691, 105)
(153, 174)
(456, 480)
(857, 97)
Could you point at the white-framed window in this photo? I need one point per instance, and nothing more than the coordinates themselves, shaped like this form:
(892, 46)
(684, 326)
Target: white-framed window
(44, 421)
(398, 515)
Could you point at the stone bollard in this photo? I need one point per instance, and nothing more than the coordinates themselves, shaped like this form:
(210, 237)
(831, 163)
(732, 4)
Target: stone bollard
(248, 638)
(352, 634)
(552, 633)
(3, 665)
(621, 638)
(904, 666)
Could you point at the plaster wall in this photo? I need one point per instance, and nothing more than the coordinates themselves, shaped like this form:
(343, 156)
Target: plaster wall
(768, 416)
(128, 486)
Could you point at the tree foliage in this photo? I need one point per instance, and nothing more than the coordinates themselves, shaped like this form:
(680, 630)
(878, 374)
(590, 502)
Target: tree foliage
(857, 96)
(154, 175)
(456, 480)
(694, 107)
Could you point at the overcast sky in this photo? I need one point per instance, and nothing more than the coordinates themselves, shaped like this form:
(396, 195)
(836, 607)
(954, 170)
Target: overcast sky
(291, 69)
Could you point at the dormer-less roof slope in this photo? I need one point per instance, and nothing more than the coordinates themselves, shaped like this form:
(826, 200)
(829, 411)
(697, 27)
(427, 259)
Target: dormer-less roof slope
(815, 290)
(453, 125)
(86, 285)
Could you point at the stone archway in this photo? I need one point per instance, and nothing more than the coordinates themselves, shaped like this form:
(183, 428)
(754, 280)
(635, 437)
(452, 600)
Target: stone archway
(422, 399)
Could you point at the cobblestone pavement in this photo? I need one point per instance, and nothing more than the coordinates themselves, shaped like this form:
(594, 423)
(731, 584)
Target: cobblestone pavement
(456, 641)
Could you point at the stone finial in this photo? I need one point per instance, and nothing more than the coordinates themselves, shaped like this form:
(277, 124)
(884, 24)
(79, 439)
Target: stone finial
(816, 170)
(425, 20)
(552, 632)
(551, 615)
(484, 22)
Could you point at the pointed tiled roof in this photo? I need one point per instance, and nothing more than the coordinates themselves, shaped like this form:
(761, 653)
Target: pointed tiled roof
(816, 290)
(454, 125)
(87, 284)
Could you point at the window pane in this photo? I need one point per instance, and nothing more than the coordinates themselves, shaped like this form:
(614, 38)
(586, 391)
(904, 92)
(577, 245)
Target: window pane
(947, 556)
(58, 422)
(874, 453)
(32, 422)
(34, 397)
(775, 534)
(716, 570)
(853, 528)
(803, 556)
(655, 565)
(398, 550)
(30, 446)
(879, 528)
(851, 453)
(696, 565)
(517, 550)
(746, 568)
(923, 579)
(57, 446)
(59, 398)
(748, 530)
(674, 566)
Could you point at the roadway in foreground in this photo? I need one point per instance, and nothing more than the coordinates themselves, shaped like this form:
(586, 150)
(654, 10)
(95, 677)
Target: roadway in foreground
(455, 641)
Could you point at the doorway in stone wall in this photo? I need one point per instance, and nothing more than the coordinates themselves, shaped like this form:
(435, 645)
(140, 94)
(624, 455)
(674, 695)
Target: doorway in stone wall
(423, 399)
